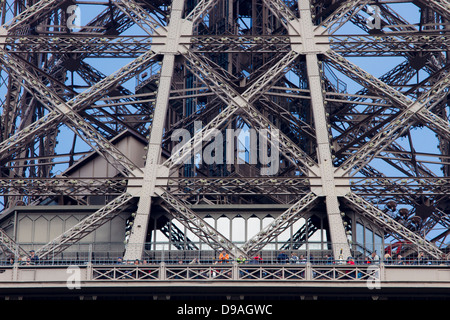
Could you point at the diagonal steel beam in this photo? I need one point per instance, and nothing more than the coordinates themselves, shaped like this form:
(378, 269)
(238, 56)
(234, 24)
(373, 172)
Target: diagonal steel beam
(366, 208)
(341, 15)
(141, 17)
(202, 7)
(76, 123)
(278, 225)
(76, 104)
(371, 124)
(85, 226)
(92, 76)
(32, 13)
(420, 108)
(282, 12)
(198, 226)
(11, 245)
(236, 102)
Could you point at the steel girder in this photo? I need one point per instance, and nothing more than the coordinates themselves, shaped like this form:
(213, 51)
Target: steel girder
(397, 125)
(278, 225)
(85, 226)
(6, 242)
(47, 97)
(199, 227)
(386, 221)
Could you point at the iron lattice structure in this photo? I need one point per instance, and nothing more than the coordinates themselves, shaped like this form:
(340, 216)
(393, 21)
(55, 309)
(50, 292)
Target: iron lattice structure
(348, 138)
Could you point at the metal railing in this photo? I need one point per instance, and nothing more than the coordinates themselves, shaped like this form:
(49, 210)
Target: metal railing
(313, 253)
(247, 272)
(232, 271)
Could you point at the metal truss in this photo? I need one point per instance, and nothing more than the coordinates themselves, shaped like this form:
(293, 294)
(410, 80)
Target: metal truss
(386, 221)
(277, 73)
(31, 13)
(14, 249)
(85, 226)
(237, 186)
(63, 186)
(199, 227)
(123, 46)
(76, 104)
(280, 224)
(200, 9)
(236, 102)
(240, 43)
(398, 124)
(340, 16)
(76, 122)
(141, 17)
(440, 6)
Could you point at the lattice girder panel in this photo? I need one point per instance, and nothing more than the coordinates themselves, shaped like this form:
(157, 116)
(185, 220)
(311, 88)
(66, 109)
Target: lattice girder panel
(198, 226)
(366, 208)
(86, 226)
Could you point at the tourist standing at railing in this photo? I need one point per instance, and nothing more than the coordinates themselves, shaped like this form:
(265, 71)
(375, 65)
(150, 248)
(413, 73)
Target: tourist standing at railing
(294, 258)
(34, 259)
(119, 260)
(256, 259)
(282, 257)
(224, 257)
(329, 259)
(375, 258)
(400, 259)
(387, 258)
(302, 259)
(241, 259)
(422, 259)
(350, 273)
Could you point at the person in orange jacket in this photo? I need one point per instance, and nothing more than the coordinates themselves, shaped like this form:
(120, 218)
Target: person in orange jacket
(224, 257)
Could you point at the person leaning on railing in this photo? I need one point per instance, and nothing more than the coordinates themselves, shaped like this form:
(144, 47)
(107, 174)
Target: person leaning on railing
(224, 257)
(241, 259)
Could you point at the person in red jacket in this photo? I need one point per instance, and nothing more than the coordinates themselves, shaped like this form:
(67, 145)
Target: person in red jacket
(257, 259)
(350, 260)
(350, 273)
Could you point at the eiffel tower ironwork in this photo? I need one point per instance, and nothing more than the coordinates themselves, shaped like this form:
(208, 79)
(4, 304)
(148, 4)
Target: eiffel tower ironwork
(298, 72)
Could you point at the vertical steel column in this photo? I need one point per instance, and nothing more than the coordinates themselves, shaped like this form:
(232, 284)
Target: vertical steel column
(339, 240)
(337, 231)
(138, 233)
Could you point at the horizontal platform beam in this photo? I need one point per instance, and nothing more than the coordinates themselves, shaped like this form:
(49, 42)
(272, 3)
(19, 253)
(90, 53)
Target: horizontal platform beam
(173, 276)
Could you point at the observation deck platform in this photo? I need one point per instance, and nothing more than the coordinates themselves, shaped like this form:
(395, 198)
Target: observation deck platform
(229, 281)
